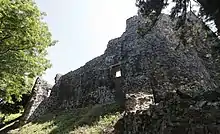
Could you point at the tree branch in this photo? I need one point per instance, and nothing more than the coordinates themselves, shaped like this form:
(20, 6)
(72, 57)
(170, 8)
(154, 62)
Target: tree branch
(11, 49)
(2, 18)
(4, 38)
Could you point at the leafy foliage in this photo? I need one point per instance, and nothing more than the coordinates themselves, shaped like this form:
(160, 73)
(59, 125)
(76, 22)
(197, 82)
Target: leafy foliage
(208, 8)
(24, 38)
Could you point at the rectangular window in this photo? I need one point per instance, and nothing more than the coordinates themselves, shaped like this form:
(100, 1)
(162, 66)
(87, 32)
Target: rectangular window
(118, 74)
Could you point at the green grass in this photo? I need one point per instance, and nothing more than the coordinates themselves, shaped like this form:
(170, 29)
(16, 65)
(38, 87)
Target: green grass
(10, 117)
(1, 115)
(89, 120)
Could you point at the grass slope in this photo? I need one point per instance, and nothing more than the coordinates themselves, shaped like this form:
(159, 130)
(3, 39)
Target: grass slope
(89, 120)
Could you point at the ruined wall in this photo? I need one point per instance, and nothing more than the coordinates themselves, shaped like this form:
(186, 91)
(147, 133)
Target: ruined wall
(40, 93)
(175, 115)
(150, 64)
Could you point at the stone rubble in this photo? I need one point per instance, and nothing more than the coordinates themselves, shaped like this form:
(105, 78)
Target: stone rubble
(174, 115)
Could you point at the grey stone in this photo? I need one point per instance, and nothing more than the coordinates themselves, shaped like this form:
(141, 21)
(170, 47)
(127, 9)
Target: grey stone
(39, 94)
(151, 64)
(171, 116)
(57, 77)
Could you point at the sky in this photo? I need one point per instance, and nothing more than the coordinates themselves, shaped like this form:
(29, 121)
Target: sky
(83, 29)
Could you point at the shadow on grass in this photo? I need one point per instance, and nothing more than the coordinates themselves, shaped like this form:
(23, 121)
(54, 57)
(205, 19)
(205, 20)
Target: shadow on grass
(62, 122)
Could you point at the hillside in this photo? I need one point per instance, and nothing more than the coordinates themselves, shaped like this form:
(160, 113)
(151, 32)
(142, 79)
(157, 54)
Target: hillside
(89, 120)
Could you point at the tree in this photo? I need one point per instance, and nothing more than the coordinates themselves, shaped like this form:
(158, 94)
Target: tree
(208, 8)
(24, 39)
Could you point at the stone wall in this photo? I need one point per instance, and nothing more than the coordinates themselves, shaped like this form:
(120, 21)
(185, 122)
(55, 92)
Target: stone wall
(151, 64)
(175, 114)
(39, 95)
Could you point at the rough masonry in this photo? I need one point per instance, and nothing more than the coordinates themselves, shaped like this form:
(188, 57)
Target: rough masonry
(150, 64)
(40, 93)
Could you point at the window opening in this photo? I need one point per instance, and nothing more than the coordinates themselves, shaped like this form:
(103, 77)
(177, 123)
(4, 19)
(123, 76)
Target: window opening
(118, 74)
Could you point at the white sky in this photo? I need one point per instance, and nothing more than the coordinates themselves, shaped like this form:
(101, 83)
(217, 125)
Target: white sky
(83, 28)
